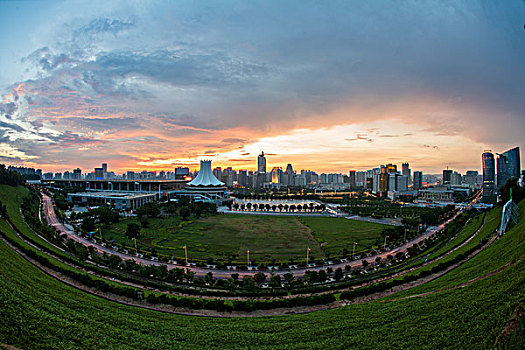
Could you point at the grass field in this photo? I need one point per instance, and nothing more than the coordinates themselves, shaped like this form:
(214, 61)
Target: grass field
(227, 237)
(337, 234)
(36, 311)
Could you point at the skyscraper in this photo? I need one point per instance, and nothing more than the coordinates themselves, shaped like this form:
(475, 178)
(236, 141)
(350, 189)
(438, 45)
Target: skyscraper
(508, 166)
(261, 163)
(447, 177)
(407, 172)
(418, 180)
(487, 160)
(352, 178)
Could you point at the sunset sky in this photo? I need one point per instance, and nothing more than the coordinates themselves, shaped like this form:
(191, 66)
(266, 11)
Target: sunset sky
(328, 86)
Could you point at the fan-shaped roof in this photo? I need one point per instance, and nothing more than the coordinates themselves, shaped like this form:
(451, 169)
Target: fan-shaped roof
(205, 176)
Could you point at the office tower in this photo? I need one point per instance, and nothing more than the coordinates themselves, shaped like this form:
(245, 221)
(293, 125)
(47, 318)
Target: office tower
(508, 164)
(181, 172)
(391, 168)
(261, 163)
(447, 177)
(407, 171)
(77, 174)
(276, 174)
(360, 178)
(352, 178)
(289, 174)
(99, 173)
(488, 165)
(418, 180)
(217, 172)
(242, 178)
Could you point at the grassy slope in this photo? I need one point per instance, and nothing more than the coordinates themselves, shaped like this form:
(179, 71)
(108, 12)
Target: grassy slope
(37, 311)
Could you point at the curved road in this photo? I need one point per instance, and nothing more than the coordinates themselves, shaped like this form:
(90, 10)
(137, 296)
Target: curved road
(52, 219)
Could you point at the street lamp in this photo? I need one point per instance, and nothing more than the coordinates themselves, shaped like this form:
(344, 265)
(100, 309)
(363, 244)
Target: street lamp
(384, 247)
(248, 263)
(307, 251)
(353, 251)
(186, 254)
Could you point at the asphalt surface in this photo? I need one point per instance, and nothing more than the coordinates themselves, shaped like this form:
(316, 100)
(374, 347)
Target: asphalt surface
(50, 216)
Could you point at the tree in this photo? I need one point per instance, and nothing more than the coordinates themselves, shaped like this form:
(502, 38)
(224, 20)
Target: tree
(322, 276)
(88, 224)
(208, 278)
(259, 278)
(3, 211)
(236, 206)
(249, 206)
(288, 280)
(365, 263)
(275, 281)
(338, 274)
(144, 221)
(184, 213)
(133, 231)
(189, 275)
(329, 271)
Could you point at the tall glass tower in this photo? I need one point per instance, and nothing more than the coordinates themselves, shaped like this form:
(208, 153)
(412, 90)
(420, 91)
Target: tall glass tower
(508, 166)
(487, 160)
(261, 163)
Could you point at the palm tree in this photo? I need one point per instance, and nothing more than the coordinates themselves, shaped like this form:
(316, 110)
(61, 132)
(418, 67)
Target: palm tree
(280, 206)
(299, 207)
(267, 207)
(274, 207)
(255, 206)
(286, 207)
(249, 206)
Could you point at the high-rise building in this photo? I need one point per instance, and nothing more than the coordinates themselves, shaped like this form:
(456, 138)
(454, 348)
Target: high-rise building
(104, 169)
(217, 172)
(289, 174)
(181, 172)
(407, 171)
(447, 177)
(352, 178)
(418, 180)
(242, 178)
(487, 160)
(276, 172)
(261, 163)
(99, 173)
(77, 174)
(508, 164)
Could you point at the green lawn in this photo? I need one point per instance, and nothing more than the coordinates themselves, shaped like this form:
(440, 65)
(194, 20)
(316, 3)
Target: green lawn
(227, 237)
(224, 238)
(336, 234)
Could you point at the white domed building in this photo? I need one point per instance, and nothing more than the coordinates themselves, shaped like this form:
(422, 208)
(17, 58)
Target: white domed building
(206, 187)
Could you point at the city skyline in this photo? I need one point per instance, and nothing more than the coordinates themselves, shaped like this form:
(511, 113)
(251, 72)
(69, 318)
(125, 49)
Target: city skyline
(156, 86)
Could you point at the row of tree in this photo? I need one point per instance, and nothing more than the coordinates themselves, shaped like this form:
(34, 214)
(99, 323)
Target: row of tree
(311, 207)
(11, 178)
